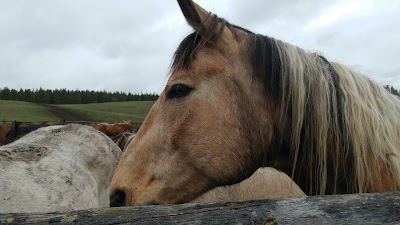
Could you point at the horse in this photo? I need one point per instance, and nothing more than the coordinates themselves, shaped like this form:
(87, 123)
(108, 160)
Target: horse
(113, 129)
(4, 128)
(265, 183)
(19, 129)
(57, 168)
(123, 139)
(102, 127)
(236, 101)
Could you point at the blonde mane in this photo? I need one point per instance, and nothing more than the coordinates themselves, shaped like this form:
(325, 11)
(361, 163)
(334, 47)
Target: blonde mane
(335, 109)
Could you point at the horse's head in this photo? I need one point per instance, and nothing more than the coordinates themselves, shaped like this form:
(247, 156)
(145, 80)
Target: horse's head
(200, 132)
(14, 132)
(129, 127)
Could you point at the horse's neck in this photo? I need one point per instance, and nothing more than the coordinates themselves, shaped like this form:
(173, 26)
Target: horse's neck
(339, 178)
(127, 126)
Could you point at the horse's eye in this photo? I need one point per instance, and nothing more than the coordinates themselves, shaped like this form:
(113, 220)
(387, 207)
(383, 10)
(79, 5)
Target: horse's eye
(179, 91)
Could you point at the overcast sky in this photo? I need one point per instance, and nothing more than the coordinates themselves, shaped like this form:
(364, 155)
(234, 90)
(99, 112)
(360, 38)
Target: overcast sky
(124, 45)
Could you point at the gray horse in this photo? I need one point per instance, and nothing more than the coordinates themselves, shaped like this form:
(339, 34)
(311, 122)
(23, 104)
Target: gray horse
(57, 168)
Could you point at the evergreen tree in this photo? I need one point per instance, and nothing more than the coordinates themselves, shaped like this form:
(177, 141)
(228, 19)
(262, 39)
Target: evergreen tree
(5, 94)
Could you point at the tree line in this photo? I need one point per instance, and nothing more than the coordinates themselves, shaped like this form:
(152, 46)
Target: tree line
(64, 96)
(392, 90)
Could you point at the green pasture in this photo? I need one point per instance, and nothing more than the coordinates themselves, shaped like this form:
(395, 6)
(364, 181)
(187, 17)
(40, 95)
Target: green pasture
(24, 111)
(111, 112)
(100, 112)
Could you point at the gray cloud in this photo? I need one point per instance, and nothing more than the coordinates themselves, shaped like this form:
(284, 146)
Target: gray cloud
(127, 46)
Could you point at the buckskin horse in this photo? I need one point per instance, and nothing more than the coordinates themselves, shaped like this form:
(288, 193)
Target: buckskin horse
(236, 101)
(266, 182)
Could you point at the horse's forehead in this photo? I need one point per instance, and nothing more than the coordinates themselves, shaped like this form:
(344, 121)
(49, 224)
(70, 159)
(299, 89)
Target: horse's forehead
(207, 63)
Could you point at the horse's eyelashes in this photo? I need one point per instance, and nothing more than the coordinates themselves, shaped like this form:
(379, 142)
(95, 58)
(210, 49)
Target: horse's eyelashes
(179, 91)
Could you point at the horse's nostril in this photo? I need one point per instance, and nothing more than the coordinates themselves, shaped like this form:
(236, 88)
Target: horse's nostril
(117, 198)
(152, 203)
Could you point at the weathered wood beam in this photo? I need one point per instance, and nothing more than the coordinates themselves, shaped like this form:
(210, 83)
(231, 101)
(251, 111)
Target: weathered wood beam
(377, 208)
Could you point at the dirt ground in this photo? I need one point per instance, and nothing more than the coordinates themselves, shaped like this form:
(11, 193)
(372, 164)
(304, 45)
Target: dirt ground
(65, 114)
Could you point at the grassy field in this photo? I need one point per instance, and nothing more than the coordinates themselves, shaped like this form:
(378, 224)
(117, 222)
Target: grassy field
(101, 112)
(24, 111)
(113, 111)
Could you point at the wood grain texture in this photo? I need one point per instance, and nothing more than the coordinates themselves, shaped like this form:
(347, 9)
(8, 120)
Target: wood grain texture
(377, 208)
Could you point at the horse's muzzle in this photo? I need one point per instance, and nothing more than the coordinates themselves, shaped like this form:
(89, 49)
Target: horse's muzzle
(118, 198)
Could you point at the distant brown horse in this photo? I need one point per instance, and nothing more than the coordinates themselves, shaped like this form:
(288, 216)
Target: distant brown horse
(114, 128)
(237, 101)
(4, 128)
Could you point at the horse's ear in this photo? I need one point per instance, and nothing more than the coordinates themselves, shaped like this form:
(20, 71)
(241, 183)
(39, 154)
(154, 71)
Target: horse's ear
(203, 22)
(194, 14)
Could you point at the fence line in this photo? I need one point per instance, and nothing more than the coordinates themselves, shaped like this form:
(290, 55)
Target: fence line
(55, 122)
(376, 208)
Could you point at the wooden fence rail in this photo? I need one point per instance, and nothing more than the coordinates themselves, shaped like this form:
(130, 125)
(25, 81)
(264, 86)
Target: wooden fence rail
(377, 208)
(49, 121)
